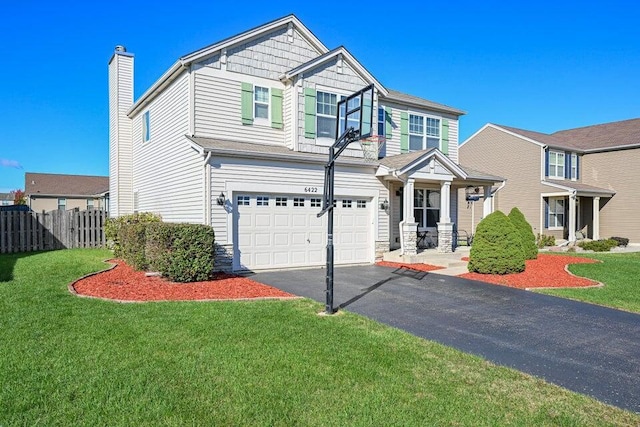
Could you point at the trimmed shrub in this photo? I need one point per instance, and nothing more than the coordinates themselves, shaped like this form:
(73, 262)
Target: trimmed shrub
(544, 240)
(598, 245)
(497, 247)
(181, 252)
(529, 245)
(128, 236)
(622, 241)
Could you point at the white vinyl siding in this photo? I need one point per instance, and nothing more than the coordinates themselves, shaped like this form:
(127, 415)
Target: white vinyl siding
(168, 174)
(295, 177)
(120, 137)
(218, 111)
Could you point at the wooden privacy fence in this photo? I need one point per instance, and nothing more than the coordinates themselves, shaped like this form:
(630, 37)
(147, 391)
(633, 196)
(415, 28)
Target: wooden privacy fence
(32, 231)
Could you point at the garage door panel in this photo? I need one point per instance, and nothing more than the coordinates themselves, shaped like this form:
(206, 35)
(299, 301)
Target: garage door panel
(291, 235)
(262, 220)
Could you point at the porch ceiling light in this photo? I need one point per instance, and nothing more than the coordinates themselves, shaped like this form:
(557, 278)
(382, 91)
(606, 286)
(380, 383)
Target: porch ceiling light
(221, 199)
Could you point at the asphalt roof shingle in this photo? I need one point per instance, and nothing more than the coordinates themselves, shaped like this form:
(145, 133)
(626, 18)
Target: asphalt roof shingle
(65, 185)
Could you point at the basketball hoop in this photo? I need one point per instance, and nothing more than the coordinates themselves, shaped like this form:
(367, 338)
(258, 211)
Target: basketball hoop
(372, 147)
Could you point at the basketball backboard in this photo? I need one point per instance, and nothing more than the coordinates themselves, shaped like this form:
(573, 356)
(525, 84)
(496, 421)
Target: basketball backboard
(356, 111)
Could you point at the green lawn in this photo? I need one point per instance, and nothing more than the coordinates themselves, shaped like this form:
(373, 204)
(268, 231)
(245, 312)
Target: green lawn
(66, 360)
(620, 274)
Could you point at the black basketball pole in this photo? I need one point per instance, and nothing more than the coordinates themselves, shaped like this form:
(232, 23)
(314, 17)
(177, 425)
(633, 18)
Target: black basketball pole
(349, 136)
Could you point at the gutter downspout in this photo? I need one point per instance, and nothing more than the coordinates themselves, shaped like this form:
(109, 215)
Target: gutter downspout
(207, 190)
(494, 193)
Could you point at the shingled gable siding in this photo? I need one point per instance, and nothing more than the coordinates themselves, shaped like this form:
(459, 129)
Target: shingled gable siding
(326, 77)
(297, 176)
(614, 170)
(270, 55)
(518, 161)
(167, 171)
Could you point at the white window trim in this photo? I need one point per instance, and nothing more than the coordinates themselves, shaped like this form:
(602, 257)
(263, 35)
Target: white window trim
(424, 129)
(563, 164)
(261, 120)
(549, 216)
(383, 122)
(340, 94)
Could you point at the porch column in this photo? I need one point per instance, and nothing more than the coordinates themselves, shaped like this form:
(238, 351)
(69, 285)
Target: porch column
(572, 217)
(408, 227)
(487, 205)
(596, 219)
(445, 227)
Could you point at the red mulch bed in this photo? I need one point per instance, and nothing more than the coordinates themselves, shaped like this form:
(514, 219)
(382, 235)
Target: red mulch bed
(548, 271)
(123, 283)
(416, 267)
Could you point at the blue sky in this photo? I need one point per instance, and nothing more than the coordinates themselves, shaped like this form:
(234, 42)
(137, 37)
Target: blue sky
(543, 66)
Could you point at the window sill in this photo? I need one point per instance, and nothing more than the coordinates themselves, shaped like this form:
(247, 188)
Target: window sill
(555, 228)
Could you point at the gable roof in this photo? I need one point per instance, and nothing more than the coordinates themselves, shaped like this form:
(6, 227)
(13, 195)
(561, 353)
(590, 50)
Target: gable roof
(602, 137)
(404, 98)
(50, 184)
(186, 60)
(346, 55)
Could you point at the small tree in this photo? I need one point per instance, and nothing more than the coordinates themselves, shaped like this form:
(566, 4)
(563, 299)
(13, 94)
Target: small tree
(497, 247)
(529, 245)
(19, 197)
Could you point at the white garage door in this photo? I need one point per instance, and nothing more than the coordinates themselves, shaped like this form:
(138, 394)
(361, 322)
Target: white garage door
(283, 230)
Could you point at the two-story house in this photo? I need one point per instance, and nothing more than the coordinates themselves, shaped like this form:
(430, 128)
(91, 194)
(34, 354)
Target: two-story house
(569, 184)
(51, 191)
(236, 135)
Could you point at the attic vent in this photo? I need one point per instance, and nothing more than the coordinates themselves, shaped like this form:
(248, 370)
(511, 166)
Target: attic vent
(120, 48)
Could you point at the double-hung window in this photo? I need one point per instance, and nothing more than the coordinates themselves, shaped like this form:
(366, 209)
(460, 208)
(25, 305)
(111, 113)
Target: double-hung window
(261, 103)
(556, 212)
(381, 121)
(424, 132)
(62, 204)
(556, 164)
(326, 109)
(574, 166)
(426, 208)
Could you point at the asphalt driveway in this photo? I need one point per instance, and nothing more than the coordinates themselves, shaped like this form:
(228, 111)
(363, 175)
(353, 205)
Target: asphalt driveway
(586, 348)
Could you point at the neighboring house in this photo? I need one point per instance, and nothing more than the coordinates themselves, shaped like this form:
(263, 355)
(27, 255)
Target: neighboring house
(48, 191)
(6, 199)
(570, 184)
(236, 135)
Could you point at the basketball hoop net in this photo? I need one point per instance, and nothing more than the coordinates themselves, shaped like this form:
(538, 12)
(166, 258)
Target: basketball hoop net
(372, 146)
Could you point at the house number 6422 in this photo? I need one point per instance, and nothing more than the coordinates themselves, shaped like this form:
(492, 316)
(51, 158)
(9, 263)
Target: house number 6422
(310, 189)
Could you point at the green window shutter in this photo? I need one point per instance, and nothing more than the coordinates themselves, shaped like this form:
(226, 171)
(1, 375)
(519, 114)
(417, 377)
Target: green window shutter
(404, 132)
(276, 108)
(445, 136)
(309, 113)
(247, 103)
(388, 127)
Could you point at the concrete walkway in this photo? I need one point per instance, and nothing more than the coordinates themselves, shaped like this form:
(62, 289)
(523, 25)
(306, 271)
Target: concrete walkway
(586, 348)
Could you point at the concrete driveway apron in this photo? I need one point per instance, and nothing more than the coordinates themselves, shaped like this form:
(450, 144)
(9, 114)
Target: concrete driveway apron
(586, 348)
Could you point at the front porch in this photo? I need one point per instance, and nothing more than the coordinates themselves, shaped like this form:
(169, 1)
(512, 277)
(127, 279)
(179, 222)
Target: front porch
(423, 188)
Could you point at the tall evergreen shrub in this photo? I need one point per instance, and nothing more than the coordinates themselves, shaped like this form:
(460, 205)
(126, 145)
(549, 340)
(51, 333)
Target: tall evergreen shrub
(497, 247)
(526, 233)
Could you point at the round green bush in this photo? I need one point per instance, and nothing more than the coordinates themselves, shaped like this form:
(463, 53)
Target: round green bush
(529, 245)
(497, 247)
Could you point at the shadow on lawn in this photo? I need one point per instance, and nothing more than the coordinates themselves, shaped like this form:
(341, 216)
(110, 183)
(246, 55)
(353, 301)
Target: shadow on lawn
(8, 263)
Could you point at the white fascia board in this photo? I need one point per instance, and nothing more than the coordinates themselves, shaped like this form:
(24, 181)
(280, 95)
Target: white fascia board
(517, 135)
(165, 80)
(604, 149)
(446, 162)
(383, 171)
(554, 185)
(253, 33)
(346, 56)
